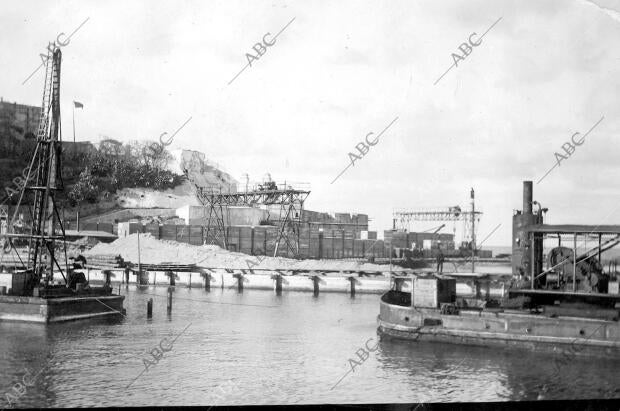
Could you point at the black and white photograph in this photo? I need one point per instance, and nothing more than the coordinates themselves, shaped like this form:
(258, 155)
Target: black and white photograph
(371, 204)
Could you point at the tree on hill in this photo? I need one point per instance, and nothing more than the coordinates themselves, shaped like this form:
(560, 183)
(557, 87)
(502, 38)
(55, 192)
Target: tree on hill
(85, 189)
(87, 175)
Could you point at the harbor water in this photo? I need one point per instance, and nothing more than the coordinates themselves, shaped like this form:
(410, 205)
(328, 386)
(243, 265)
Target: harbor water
(223, 347)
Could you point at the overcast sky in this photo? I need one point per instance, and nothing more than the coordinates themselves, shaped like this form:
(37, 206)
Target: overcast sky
(341, 70)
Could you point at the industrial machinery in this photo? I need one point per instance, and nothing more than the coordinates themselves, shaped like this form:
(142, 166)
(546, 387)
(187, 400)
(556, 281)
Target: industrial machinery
(568, 270)
(44, 181)
(36, 277)
(589, 275)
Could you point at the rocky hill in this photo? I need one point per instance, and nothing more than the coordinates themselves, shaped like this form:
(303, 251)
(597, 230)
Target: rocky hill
(116, 176)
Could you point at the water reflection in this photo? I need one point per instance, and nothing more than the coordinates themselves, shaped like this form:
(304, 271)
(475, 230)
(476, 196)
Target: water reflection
(275, 349)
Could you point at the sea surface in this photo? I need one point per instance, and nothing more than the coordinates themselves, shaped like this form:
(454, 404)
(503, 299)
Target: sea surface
(227, 348)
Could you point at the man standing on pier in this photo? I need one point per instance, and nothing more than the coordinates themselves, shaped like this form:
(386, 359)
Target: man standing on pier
(440, 259)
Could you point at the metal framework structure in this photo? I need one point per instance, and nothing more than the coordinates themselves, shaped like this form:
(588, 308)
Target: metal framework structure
(290, 201)
(44, 180)
(403, 219)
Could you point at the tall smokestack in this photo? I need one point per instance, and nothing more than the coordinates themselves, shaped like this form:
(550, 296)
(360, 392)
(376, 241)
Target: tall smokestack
(527, 197)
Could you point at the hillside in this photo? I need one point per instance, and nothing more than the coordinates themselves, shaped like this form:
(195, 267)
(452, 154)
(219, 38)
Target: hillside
(115, 175)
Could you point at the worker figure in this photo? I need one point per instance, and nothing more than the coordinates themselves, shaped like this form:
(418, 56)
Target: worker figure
(107, 274)
(76, 277)
(80, 260)
(440, 259)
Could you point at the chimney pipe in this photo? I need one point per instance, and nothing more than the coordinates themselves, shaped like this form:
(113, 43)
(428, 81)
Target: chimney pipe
(527, 197)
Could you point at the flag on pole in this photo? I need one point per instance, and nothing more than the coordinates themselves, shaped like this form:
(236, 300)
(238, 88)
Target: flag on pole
(77, 104)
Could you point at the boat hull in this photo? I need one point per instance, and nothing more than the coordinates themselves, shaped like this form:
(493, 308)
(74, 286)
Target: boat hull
(52, 310)
(580, 336)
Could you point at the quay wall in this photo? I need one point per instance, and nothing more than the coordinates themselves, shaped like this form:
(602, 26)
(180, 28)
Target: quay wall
(220, 278)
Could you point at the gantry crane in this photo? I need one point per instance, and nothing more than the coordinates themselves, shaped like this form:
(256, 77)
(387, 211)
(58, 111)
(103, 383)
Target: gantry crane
(403, 219)
(289, 199)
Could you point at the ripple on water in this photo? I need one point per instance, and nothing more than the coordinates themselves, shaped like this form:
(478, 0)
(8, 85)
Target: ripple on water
(288, 349)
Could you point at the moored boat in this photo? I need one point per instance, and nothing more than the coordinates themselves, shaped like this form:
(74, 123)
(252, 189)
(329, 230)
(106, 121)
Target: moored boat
(441, 319)
(571, 306)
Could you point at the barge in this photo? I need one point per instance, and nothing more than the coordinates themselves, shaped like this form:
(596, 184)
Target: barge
(571, 305)
(50, 310)
(46, 289)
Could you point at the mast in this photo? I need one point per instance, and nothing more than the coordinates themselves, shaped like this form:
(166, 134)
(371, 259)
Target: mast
(45, 180)
(473, 230)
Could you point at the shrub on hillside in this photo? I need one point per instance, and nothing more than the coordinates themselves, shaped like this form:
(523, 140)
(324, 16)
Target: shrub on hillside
(87, 174)
(85, 189)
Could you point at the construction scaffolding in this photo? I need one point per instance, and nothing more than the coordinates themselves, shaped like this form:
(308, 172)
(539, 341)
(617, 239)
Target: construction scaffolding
(288, 198)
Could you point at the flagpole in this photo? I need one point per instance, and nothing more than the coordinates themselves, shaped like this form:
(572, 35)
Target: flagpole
(73, 115)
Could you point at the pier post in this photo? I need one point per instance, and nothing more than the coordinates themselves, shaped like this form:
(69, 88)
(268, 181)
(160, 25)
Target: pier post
(169, 305)
(352, 280)
(412, 289)
(315, 281)
(599, 248)
(252, 241)
(239, 282)
(574, 261)
(278, 278)
(149, 308)
(190, 281)
(154, 278)
(207, 277)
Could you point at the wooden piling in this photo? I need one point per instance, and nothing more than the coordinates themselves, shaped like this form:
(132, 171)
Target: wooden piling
(149, 308)
(352, 280)
(240, 283)
(169, 305)
(278, 279)
(207, 281)
(315, 281)
(190, 280)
